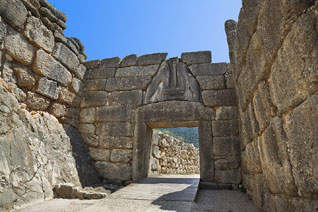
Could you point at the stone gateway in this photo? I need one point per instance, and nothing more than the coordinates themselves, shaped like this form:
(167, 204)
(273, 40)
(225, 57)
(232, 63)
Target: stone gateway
(67, 121)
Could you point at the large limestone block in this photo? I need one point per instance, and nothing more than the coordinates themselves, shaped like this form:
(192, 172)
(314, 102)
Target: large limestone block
(87, 115)
(196, 57)
(302, 131)
(48, 88)
(251, 162)
(25, 78)
(174, 111)
(121, 156)
(173, 82)
(37, 33)
(133, 98)
(95, 85)
(228, 177)
(208, 69)
(14, 12)
(113, 113)
(3, 30)
(67, 97)
(114, 171)
(274, 154)
(226, 112)
(115, 129)
(99, 154)
(216, 82)
(225, 97)
(46, 65)
(94, 98)
(294, 73)
(110, 142)
(130, 60)
(19, 48)
(132, 71)
(128, 83)
(110, 62)
(226, 146)
(151, 59)
(63, 54)
(224, 128)
(101, 73)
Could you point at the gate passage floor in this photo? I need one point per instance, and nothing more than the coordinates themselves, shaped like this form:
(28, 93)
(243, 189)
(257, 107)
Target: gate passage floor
(164, 193)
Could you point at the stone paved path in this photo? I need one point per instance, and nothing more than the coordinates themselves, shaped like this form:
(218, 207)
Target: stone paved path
(167, 193)
(163, 188)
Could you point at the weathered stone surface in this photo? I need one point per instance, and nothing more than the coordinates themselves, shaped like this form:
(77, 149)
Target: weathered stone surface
(32, 145)
(94, 98)
(76, 85)
(66, 96)
(229, 82)
(173, 82)
(87, 128)
(227, 164)
(196, 57)
(206, 154)
(46, 65)
(151, 59)
(301, 130)
(99, 154)
(3, 30)
(133, 98)
(226, 146)
(228, 177)
(208, 69)
(87, 115)
(110, 62)
(57, 110)
(130, 60)
(115, 129)
(150, 70)
(101, 73)
(90, 140)
(8, 73)
(14, 12)
(251, 162)
(213, 98)
(48, 88)
(25, 78)
(128, 83)
(80, 72)
(47, 13)
(19, 48)
(113, 113)
(223, 128)
(17, 92)
(37, 102)
(92, 64)
(174, 111)
(95, 85)
(121, 155)
(109, 142)
(37, 33)
(114, 171)
(211, 82)
(65, 56)
(226, 112)
(29, 6)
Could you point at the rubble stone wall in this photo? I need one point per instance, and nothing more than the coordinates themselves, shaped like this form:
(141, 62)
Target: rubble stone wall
(170, 155)
(124, 99)
(273, 52)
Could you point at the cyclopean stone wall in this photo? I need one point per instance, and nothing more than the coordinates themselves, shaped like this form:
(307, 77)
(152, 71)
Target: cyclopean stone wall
(170, 155)
(124, 99)
(41, 76)
(273, 52)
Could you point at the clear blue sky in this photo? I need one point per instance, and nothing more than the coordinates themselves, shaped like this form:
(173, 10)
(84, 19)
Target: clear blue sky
(111, 28)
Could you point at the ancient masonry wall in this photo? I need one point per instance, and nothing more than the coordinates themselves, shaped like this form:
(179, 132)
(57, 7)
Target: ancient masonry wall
(170, 155)
(123, 97)
(41, 77)
(273, 51)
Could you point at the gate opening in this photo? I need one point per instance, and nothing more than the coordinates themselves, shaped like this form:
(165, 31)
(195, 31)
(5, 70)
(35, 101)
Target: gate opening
(174, 151)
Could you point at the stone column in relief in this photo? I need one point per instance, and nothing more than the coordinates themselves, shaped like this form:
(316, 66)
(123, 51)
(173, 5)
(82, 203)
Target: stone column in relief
(141, 151)
(206, 151)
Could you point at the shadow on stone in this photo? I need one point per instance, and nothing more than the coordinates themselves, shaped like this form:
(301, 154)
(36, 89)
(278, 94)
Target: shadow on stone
(86, 171)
